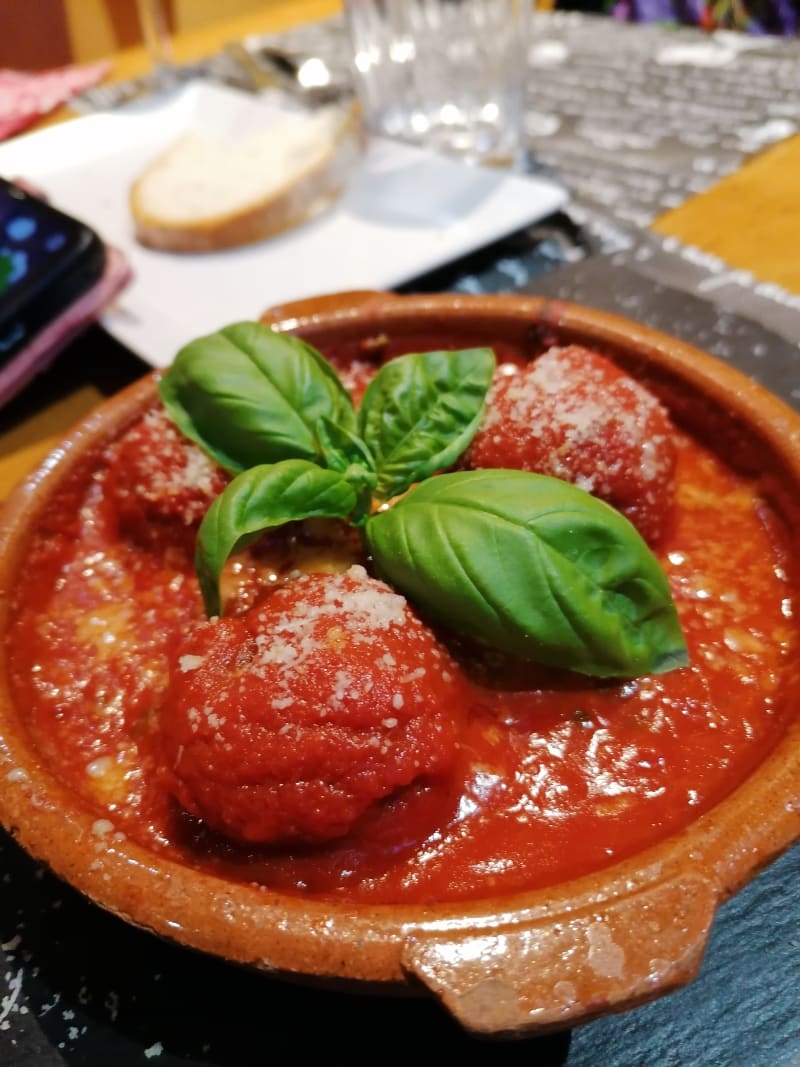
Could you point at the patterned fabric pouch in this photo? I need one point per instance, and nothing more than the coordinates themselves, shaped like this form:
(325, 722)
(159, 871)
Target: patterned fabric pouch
(26, 97)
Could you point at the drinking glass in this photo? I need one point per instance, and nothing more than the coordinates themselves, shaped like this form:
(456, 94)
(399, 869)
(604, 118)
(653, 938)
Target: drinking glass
(154, 19)
(448, 74)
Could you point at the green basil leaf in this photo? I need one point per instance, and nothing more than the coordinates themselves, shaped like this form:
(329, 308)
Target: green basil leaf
(250, 395)
(260, 498)
(341, 447)
(346, 452)
(421, 411)
(534, 566)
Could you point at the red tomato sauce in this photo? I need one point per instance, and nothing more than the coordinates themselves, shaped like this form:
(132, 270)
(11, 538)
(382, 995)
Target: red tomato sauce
(556, 776)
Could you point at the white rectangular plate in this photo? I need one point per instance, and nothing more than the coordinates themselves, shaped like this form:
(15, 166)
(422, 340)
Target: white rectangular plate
(404, 212)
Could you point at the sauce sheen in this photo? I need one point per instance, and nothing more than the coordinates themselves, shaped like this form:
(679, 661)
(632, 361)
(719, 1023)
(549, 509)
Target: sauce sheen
(556, 775)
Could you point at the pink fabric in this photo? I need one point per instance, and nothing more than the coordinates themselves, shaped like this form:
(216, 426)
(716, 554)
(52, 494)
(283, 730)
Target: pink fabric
(25, 97)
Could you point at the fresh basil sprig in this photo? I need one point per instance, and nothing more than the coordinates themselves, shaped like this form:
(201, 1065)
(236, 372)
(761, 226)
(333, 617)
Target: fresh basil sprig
(534, 566)
(525, 563)
(250, 395)
(257, 500)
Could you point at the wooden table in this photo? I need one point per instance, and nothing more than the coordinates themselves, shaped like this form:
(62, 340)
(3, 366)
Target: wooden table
(751, 219)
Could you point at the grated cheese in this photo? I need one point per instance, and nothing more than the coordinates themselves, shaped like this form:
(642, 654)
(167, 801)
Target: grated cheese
(189, 663)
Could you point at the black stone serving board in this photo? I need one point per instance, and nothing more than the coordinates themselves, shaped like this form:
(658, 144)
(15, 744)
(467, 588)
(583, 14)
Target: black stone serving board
(80, 987)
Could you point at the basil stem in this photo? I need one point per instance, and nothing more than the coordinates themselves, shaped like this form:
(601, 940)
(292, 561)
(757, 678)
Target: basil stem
(534, 566)
(420, 412)
(346, 453)
(249, 395)
(261, 498)
(341, 447)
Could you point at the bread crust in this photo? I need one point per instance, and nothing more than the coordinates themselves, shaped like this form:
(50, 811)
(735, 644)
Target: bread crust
(304, 195)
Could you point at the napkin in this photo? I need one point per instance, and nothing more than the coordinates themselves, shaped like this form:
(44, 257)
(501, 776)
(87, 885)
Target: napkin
(26, 97)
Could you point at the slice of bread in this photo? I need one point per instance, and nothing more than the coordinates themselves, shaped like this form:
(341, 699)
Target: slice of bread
(208, 192)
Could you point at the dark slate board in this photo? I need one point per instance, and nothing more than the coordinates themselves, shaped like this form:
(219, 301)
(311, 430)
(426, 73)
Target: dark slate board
(763, 355)
(81, 988)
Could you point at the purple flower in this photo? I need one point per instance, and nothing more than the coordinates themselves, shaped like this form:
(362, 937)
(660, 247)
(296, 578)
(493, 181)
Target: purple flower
(691, 11)
(786, 17)
(753, 16)
(654, 11)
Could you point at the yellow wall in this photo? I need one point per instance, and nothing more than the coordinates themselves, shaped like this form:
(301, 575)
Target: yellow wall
(90, 28)
(98, 27)
(191, 13)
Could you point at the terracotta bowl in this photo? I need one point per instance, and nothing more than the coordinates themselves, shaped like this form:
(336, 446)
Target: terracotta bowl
(526, 963)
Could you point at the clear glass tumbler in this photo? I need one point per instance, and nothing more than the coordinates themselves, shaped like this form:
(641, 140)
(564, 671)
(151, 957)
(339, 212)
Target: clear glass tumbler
(447, 74)
(155, 25)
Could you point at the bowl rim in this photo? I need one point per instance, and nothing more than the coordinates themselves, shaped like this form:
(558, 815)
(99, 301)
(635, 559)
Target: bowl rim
(462, 952)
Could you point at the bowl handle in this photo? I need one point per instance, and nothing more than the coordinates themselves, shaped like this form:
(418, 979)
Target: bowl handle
(539, 973)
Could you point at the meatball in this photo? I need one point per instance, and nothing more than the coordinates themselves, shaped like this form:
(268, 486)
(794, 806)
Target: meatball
(160, 484)
(287, 723)
(574, 415)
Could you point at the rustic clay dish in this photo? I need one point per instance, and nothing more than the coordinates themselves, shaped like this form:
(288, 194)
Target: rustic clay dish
(505, 966)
